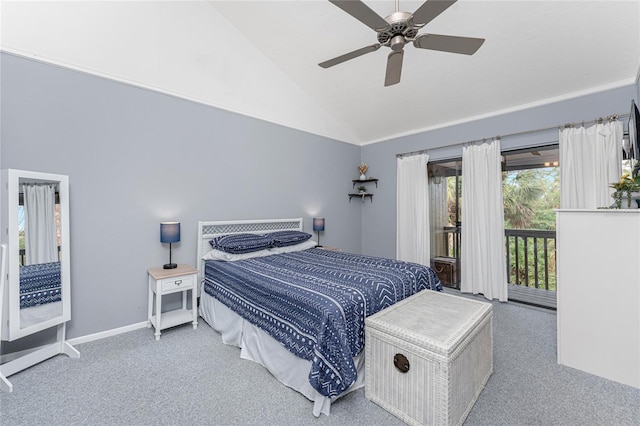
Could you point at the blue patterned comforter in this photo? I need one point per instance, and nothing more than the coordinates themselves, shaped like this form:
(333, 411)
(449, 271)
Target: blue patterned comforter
(315, 301)
(40, 284)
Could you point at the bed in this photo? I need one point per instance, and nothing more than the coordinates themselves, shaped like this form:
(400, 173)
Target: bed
(296, 309)
(40, 292)
(40, 284)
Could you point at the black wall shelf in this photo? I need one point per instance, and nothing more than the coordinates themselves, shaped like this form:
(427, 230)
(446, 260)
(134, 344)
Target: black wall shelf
(362, 195)
(355, 181)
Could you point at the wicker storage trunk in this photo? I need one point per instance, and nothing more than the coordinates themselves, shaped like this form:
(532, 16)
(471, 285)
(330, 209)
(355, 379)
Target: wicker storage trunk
(444, 342)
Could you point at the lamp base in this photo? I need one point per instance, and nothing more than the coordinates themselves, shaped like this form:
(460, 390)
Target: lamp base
(318, 246)
(170, 266)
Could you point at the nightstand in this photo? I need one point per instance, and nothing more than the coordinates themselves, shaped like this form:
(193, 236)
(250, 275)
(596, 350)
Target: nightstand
(166, 281)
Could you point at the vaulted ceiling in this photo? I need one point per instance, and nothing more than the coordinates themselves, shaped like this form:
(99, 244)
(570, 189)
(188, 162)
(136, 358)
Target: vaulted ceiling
(260, 58)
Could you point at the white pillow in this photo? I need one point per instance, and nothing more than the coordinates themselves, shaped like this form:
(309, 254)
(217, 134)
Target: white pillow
(231, 257)
(296, 247)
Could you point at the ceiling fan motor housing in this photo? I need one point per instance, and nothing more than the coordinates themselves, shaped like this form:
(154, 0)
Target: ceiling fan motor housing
(399, 31)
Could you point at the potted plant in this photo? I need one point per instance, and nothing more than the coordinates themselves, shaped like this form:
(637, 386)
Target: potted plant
(362, 168)
(362, 189)
(627, 190)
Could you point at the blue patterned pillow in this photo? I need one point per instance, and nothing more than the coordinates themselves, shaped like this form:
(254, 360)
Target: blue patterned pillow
(288, 238)
(241, 243)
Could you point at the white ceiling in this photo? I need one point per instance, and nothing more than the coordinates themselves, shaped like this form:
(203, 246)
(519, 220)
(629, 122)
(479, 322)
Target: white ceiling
(260, 57)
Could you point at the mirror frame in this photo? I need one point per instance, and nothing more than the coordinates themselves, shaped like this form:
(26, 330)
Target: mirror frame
(11, 329)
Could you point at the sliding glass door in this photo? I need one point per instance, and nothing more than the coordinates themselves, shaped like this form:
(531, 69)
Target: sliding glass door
(531, 193)
(445, 203)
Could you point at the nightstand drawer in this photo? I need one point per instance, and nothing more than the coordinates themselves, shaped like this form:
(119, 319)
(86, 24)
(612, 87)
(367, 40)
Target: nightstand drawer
(184, 282)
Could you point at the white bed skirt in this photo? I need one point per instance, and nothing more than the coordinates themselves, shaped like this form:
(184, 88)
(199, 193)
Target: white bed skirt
(256, 345)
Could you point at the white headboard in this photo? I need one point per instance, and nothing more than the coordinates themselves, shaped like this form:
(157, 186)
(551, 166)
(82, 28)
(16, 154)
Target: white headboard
(210, 229)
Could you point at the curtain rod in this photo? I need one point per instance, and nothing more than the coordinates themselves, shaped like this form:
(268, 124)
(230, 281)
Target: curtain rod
(39, 183)
(409, 154)
(598, 120)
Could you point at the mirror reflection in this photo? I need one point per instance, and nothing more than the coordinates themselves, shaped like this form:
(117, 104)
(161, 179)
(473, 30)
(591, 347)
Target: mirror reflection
(35, 230)
(39, 234)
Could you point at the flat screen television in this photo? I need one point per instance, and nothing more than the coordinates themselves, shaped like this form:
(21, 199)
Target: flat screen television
(634, 136)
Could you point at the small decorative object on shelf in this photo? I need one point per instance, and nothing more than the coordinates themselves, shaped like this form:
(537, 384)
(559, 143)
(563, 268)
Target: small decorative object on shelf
(362, 168)
(627, 192)
(362, 189)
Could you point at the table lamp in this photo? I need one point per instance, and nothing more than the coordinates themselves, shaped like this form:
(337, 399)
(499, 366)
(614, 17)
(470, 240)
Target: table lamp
(170, 233)
(318, 225)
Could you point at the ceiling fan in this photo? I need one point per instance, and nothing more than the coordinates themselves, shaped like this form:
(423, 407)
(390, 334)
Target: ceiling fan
(400, 28)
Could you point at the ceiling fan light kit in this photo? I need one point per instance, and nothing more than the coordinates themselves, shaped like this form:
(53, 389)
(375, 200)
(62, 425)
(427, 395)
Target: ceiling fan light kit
(401, 28)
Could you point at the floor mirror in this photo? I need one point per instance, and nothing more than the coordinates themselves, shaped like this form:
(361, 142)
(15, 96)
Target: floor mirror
(37, 287)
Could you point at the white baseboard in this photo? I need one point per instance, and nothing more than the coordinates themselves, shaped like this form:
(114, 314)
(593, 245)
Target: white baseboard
(107, 333)
(4, 358)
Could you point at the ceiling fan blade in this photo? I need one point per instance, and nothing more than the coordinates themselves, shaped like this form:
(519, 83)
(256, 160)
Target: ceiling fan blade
(342, 58)
(446, 43)
(429, 10)
(394, 68)
(362, 13)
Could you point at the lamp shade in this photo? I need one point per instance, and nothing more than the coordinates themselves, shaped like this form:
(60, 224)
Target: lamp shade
(318, 224)
(169, 232)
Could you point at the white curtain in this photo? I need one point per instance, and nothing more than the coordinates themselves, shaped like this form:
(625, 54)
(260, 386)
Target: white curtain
(590, 160)
(438, 215)
(483, 263)
(40, 237)
(412, 236)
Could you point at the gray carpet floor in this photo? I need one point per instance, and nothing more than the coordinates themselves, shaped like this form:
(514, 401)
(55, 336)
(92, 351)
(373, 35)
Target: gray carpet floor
(190, 377)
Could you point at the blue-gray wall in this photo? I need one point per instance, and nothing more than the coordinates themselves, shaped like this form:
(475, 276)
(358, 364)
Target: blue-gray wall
(135, 157)
(379, 219)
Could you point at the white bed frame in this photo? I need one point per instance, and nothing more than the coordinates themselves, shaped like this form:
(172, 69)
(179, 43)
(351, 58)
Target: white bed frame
(211, 229)
(256, 345)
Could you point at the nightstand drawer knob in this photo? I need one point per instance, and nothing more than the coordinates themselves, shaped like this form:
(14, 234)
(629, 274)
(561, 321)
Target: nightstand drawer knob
(178, 282)
(401, 362)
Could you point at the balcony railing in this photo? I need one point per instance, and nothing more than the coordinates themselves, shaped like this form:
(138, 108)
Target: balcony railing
(531, 256)
(22, 256)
